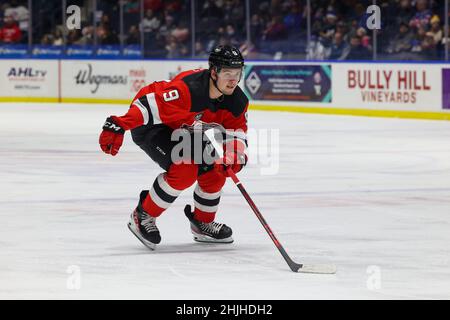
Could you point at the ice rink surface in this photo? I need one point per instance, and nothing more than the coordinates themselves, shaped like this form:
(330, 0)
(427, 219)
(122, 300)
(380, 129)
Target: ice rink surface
(370, 195)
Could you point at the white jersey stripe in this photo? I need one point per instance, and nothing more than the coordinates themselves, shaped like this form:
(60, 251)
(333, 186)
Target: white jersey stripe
(153, 108)
(143, 110)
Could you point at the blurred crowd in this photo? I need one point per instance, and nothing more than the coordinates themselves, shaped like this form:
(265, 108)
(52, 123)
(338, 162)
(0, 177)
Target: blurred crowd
(277, 29)
(410, 30)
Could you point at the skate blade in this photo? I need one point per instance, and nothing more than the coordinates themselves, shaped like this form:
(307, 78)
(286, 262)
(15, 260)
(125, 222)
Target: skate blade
(146, 243)
(207, 239)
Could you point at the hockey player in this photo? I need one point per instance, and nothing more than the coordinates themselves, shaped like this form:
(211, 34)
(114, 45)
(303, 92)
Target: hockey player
(210, 96)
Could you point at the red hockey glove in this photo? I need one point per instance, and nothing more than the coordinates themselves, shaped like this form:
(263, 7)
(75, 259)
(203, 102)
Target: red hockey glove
(234, 156)
(111, 138)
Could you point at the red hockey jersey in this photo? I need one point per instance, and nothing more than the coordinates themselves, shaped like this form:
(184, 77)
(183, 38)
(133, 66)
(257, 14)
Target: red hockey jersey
(184, 100)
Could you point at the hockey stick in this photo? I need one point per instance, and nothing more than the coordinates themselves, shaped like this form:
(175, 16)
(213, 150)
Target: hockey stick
(295, 267)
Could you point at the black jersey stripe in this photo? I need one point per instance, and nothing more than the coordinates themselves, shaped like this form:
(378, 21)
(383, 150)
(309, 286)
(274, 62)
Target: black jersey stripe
(143, 100)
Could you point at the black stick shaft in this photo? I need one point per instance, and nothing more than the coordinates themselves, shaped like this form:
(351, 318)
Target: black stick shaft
(258, 214)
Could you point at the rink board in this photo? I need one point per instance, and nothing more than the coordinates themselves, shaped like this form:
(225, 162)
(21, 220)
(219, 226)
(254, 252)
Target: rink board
(410, 90)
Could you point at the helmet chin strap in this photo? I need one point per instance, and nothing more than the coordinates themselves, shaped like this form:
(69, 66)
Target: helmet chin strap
(220, 99)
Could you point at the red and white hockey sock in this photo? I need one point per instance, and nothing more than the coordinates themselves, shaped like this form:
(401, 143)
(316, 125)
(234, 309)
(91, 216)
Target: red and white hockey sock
(160, 197)
(206, 204)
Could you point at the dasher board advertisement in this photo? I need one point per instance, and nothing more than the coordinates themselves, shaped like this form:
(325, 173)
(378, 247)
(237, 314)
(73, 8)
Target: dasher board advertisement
(29, 78)
(388, 86)
(300, 83)
(120, 80)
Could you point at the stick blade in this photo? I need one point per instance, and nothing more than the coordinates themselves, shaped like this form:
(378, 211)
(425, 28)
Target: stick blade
(317, 268)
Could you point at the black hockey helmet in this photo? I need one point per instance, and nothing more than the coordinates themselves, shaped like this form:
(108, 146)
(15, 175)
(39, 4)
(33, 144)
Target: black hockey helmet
(225, 57)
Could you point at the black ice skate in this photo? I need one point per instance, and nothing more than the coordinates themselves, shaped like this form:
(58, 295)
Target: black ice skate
(212, 232)
(143, 226)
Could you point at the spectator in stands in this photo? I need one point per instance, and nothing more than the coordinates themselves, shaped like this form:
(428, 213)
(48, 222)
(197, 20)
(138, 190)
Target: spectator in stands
(264, 13)
(256, 28)
(232, 36)
(174, 9)
(353, 27)
(428, 47)
(157, 47)
(20, 14)
(329, 28)
(73, 36)
(105, 21)
(167, 27)
(275, 29)
(181, 32)
(317, 21)
(342, 28)
(133, 35)
(200, 52)
(184, 51)
(173, 48)
(402, 41)
(293, 19)
(339, 48)
(365, 38)
(422, 17)
(404, 12)
(431, 40)
(58, 39)
(110, 10)
(419, 38)
(105, 34)
(86, 37)
(151, 22)
(10, 32)
(106, 37)
(47, 39)
(357, 50)
(234, 13)
(435, 31)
